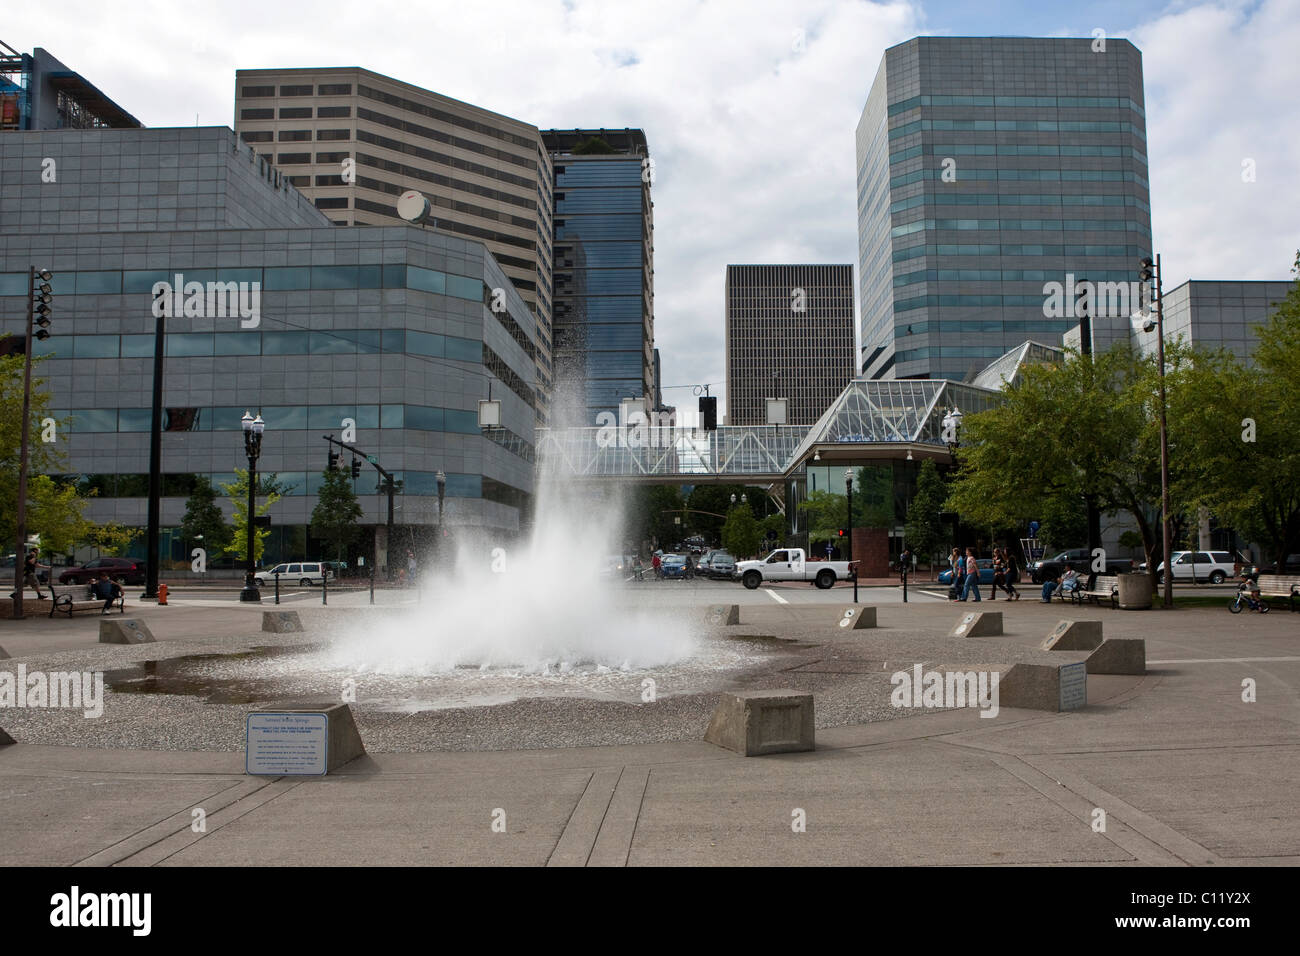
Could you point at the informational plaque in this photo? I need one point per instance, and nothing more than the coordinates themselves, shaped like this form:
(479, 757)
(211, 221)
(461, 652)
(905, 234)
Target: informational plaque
(287, 744)
(1074, 685)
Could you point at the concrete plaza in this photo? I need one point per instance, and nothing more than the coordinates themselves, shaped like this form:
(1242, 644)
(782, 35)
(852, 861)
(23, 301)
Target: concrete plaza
(1186, 771)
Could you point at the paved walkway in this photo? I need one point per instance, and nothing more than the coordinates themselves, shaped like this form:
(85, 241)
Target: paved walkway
(1185, 771)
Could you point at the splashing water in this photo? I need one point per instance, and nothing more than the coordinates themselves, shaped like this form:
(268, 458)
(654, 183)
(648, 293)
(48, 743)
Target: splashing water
(540, 606)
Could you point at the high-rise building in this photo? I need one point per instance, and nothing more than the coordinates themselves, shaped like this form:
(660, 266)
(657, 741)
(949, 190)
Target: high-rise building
(353, 141)
(604, 271)
(384, 335)
(789, 335)
(989, 167)
(39, 92)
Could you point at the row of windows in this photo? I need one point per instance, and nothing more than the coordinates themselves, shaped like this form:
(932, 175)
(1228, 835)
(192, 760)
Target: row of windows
(1026, 225)
(332, 342)
(996, 149)
(438, 136)
(951, 328)
(994, 249)
(449, 225)
(440, 201)
(595, 200)
(415, 172)
(599, 282)
(1032, 175)
(297, 112)
(934, 301)
(955, 351)
(599, 255)
(294, 483)
(605, 172)
(599, 227)
(947, 198)
(411, 106)
(300, 89)
(1020, 126)
(273, 279)
(1005, 275)
(1060, 102)
(608, 308)
(411, 149)
(280, 419)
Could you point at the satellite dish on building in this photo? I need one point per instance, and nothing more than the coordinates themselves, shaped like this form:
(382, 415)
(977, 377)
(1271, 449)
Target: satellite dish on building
(414, 207)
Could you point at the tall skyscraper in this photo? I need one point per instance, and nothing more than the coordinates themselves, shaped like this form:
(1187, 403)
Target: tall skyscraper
(604, 270)
(987, 168)
(789, 335)
(353, 141)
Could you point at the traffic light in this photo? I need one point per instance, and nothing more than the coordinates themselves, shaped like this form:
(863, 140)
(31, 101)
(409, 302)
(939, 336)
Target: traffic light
(709, 412)
(42, 296)
(841, 532)
(1146, 269)
(334, 460)
(356, 468)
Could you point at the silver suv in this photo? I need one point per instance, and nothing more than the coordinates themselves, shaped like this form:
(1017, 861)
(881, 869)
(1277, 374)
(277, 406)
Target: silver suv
(306, 573)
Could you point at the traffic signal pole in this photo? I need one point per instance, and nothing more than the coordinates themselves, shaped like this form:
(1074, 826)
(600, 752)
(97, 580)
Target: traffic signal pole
(388, 482)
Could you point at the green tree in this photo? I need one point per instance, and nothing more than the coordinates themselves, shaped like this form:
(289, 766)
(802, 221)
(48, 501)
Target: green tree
(825, 513)
(706, 501)
(926, 533)
(334, 519)
(653, 515)
(1063, 431)
(741, 533)
(269, 489)
(203, 518)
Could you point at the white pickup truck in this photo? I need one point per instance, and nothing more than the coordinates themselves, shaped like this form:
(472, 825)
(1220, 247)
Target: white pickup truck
(792, 564)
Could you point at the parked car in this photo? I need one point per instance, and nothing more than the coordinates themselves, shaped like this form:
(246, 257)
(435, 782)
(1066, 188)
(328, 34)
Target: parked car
(717, 564)
(986, 572)
(1213, 566)
(1049, 569)
(1290, 566)
(128, 570)
(676, 566)
(306, 573)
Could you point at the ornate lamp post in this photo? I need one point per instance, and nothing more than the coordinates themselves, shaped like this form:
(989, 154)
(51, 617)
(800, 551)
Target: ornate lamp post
(253, 428)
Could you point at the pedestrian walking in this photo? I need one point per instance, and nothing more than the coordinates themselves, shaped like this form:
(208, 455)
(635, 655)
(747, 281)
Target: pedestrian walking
(1013, 575)
(958, 567)
(657, 566)
(31, 567)
(972, 585)
(410, 566)
(999, 573)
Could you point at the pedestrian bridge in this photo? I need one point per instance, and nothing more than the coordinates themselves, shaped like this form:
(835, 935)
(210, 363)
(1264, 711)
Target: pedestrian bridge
(869, 419)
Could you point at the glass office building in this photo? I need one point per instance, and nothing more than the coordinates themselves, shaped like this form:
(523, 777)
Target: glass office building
(988, 168)
(389, 327)
(604, 271)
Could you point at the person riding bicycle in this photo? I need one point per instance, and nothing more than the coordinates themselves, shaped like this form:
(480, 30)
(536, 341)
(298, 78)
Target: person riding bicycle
(1251, 588)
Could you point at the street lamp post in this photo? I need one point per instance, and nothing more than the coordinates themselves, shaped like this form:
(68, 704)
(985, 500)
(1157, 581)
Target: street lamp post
(253, 428)
(848, 484)
(1147, 273)
(39, 315)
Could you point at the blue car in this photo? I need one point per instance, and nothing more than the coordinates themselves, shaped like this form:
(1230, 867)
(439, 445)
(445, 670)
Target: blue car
(675, 566)
(986, 572)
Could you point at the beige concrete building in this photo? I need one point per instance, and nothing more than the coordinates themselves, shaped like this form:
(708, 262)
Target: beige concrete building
(789, 335)
(353, 141)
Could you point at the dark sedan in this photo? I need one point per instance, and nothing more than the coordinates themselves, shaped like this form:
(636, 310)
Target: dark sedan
(128, 570)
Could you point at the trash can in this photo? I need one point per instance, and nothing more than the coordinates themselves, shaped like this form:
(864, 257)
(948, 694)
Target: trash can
(1134, 592)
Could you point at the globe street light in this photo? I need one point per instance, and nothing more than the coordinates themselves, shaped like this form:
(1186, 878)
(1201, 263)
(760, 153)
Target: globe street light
(253, 428)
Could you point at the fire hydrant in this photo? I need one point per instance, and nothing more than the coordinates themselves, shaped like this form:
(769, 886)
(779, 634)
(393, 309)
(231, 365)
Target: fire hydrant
(162, 594)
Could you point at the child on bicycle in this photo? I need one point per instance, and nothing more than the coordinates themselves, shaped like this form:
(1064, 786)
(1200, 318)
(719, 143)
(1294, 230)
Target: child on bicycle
(1248, 585)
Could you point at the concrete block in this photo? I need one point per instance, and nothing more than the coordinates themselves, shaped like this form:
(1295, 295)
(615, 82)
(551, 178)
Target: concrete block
(319, 738)
(124, 631)
(858, 617)
(1074, 636)
(5, 739)
(720, 614)
(281, 622)
(1126, 655)
(4, 655)
(760, 722)
(978, 624)
(1053, 687)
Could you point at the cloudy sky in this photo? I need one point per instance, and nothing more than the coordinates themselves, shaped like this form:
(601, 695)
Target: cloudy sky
(749, 106)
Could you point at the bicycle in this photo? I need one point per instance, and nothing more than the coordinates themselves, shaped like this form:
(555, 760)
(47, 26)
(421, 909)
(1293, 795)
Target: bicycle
(1244, 600)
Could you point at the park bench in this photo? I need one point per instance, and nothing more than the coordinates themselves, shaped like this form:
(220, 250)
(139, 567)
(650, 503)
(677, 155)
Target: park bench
(71, 598)
(1071, 597)
(1280, 585)
(1104, 586)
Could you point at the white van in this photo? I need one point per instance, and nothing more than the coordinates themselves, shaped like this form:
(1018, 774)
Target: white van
(306, 573)
(1212, 566)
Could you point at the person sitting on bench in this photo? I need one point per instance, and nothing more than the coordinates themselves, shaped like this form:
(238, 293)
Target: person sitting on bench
(106, 590)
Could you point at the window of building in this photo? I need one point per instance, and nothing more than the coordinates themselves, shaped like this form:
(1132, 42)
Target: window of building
(305, 90)
(333, 112)
(322, 134)
(258, 114)
(334, 89)
(300, 181)
(332, 203)
(256, 136)
(254, 91)
(294, 135)
(295, 112)
(293, 159)
(332, 157)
